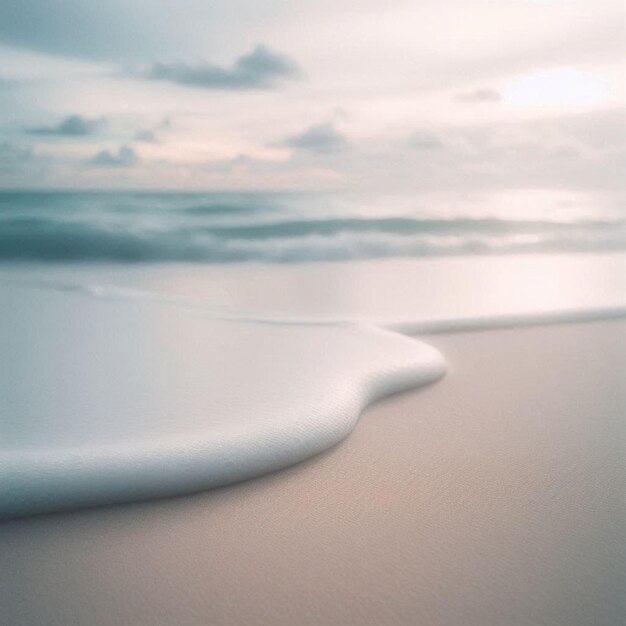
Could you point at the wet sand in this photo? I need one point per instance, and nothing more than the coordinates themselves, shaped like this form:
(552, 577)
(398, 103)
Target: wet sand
(493, 497)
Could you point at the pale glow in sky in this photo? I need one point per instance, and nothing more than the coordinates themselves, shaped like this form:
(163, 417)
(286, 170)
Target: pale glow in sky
(560, 87)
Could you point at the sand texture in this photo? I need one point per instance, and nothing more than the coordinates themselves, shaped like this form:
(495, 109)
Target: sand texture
(492, 498)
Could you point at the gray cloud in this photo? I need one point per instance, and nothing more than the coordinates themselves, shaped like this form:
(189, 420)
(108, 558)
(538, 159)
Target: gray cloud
(124, 157)
(321, 139)
(152, 134)
(146, 135)
(259, 69)
(71, 126)
(12, 157)
(479, 95)
(423, 140)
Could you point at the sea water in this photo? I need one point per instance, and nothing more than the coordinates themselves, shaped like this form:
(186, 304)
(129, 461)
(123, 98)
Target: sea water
(155, 344)
(127, 227)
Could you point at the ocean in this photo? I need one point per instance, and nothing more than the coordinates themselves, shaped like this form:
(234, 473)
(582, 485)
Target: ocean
(147, 227)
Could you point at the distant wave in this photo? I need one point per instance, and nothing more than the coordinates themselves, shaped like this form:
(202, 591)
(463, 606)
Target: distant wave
(396, 226)
(217, 209)
(132, 227)
(47, 239)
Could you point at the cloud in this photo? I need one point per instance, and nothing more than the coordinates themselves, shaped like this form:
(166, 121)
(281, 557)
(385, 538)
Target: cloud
(259, 69)
(146, 135)
(71, 126)
(124, 157)
(423, 140)
(12, 157)
(151, 134)
(479, 95)
(320, 139)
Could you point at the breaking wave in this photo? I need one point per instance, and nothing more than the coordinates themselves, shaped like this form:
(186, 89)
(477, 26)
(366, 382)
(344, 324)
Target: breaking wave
(174, 227)
(339, 239)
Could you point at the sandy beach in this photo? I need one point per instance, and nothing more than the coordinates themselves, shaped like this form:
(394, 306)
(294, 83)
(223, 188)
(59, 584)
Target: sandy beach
(493, 497)
(312, 314)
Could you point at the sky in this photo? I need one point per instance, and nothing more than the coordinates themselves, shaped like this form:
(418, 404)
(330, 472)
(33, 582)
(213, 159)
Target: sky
(455, 97)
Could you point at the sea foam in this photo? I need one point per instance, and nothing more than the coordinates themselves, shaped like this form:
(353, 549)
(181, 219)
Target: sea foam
(116, 399)
(111, 394)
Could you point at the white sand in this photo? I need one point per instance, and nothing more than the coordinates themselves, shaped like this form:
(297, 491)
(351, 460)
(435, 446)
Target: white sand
(494, 497)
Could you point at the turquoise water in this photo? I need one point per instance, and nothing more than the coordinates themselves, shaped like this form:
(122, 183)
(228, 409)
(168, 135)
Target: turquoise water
(280, 227)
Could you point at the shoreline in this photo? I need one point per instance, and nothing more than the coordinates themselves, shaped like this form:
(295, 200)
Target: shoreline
(228, 427)
(492, 497)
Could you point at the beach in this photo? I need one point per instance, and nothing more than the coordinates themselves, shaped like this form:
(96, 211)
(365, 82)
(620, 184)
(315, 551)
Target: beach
(494, 496)
(312, 314)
